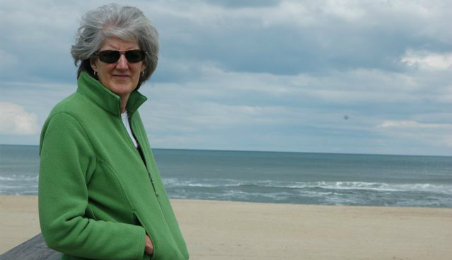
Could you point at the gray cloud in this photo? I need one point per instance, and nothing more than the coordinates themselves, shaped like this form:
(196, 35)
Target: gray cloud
(261, 75)
(244, 4)
(302, 108)
(302, 36)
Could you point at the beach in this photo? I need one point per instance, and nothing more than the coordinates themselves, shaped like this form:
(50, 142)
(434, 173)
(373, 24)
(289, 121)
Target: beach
(217, 230)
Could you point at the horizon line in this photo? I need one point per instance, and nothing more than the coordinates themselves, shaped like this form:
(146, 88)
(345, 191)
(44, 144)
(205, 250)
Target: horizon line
(267, 151)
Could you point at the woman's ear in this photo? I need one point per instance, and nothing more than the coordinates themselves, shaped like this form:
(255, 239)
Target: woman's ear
(93, 64)
(143, 69)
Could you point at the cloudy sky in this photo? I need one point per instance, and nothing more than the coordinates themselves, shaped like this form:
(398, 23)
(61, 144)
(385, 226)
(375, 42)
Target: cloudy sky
(340, 76)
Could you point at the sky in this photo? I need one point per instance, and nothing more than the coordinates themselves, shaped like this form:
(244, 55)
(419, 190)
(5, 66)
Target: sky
(343, 76)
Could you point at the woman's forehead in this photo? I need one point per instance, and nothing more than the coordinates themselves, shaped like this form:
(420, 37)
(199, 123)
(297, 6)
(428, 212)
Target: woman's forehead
(119, 44)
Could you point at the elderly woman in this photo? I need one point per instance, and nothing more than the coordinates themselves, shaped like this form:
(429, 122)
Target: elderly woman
(100, 192)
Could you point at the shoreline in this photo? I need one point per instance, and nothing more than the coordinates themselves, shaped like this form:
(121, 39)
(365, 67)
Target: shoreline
(218, 230)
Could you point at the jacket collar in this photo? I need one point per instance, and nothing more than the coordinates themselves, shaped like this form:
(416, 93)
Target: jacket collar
(103, 97)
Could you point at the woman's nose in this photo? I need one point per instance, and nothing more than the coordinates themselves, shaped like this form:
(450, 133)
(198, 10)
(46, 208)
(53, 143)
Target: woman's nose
(122, 62)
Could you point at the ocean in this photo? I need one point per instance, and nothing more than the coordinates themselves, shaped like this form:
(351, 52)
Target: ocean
(274, 177)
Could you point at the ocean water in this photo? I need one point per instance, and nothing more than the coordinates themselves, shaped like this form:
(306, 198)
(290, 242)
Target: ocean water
(275, 177)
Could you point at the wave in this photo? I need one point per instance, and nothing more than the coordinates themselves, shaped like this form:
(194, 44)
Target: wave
(19, 178)
(326, 186)
(319, 193)
(280, 191)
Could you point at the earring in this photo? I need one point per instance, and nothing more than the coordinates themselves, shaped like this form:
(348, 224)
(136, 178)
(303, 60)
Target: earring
(142, 73)
(95, 73)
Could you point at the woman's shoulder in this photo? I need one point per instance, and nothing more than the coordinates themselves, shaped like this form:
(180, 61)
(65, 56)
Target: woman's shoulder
(69, 115)
(72, 108)
(74, 105)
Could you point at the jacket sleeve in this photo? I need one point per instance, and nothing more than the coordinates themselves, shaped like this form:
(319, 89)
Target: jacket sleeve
(67, 160)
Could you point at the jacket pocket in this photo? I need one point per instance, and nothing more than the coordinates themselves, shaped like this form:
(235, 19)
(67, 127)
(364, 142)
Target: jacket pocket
(140, 223)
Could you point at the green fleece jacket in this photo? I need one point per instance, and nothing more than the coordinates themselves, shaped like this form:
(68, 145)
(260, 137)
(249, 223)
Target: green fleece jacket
(97, 197)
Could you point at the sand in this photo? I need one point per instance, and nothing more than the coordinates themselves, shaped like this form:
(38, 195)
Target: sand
(217, 230)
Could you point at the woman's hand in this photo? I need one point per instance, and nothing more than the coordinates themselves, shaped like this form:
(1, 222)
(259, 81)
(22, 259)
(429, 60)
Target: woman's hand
(149, 248)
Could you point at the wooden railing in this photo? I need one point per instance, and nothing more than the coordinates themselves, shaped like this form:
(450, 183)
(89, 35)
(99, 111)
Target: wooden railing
(33, 249)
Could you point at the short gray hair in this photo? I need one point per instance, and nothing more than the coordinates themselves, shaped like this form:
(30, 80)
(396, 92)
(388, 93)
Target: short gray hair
(124, 22)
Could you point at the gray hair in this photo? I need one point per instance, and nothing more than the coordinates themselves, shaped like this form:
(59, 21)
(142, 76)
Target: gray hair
(113, 20)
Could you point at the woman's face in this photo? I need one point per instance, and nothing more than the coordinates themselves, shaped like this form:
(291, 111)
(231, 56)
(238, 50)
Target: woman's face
(120, 77)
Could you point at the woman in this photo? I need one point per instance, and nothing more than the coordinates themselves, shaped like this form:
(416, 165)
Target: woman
(100, 193)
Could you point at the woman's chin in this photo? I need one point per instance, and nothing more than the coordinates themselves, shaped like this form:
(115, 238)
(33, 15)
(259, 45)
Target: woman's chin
(122, 89)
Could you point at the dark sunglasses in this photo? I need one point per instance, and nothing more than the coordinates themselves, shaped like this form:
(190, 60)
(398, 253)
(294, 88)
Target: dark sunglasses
(110, 56)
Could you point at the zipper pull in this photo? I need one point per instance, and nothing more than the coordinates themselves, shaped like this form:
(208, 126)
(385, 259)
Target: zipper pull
(153, 185)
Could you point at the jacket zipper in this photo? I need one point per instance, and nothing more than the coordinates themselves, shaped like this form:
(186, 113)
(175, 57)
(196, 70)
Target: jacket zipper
(144, 156)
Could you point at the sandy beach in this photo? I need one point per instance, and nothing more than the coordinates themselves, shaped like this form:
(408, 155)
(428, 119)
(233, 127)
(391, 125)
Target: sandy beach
(217, 230)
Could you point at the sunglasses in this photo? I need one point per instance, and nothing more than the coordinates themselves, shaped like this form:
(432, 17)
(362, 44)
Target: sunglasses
(110, 56)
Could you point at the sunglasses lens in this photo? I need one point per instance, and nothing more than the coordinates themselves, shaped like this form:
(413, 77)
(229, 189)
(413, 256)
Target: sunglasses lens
(135, 56)
(132, 56)
(109, 56)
